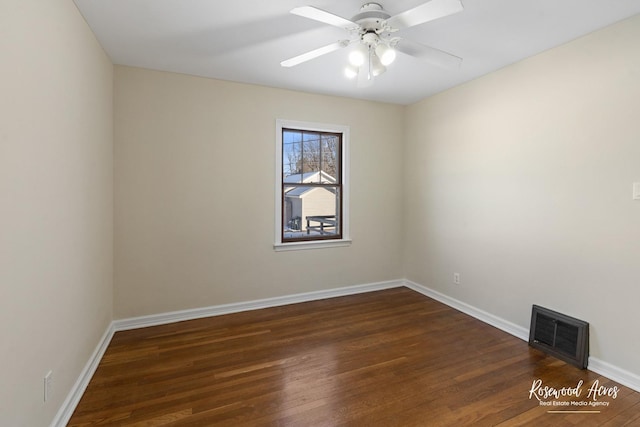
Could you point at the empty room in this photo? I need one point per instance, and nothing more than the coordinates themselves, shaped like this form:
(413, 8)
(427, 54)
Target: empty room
(319, 213)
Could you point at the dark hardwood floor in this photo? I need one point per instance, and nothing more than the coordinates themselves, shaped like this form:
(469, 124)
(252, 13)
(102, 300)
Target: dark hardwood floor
(387, 358)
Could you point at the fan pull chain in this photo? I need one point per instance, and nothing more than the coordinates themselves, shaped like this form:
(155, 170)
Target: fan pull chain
(370, 67)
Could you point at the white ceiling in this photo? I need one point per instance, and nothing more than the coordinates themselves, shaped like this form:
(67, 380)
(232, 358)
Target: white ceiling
(244, 41)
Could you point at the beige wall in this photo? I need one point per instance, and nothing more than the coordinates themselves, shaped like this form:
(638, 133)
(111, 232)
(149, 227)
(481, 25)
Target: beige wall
(56, 204)
(195, 182)
(521, 182)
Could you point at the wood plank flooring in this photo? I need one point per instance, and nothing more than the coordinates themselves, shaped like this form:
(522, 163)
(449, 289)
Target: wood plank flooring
(387, 358)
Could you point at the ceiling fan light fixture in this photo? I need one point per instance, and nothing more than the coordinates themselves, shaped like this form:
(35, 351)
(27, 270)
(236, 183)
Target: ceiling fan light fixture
(358, 56)
(375, 48)
(386, 53)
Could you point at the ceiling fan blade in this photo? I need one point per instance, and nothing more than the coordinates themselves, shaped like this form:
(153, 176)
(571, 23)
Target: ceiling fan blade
(312, 54)
(323, 16)
(426, 12)
(429, 54)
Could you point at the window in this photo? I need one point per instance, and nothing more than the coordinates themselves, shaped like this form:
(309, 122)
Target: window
(311, 185)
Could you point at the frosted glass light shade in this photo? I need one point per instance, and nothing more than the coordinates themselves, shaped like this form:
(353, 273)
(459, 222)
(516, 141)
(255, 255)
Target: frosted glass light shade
(358, 56)
(386, 53)
(376, 66)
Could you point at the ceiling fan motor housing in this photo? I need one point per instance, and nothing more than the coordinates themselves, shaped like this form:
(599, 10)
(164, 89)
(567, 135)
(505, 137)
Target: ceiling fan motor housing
(371, 18)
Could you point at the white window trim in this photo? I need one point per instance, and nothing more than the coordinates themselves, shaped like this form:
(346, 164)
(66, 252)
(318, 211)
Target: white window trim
(320, 127)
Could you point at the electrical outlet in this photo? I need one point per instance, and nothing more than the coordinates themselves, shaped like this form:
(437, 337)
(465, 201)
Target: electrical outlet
(48, 384)
(456, 278)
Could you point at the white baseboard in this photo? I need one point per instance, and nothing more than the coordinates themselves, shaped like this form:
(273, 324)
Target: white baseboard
(624, 377)
(73, 398)
(217, 310)
(505, 325)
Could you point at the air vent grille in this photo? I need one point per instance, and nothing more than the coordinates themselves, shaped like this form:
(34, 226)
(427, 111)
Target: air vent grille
(562, 336)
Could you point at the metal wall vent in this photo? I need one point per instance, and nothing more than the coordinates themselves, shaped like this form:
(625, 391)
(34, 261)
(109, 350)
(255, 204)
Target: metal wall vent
(562, 336)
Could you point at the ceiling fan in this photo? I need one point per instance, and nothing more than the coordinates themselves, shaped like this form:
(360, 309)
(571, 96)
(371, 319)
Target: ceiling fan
(372, 30)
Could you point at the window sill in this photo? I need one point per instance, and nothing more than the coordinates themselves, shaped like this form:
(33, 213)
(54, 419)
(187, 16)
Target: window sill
(299, 246)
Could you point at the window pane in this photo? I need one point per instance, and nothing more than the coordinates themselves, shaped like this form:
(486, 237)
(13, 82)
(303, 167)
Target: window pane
(330, 159)
(311, 211)
(292, 155)
(311, 156)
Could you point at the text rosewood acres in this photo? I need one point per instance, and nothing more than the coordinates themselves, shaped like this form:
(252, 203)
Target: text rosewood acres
(543, 392)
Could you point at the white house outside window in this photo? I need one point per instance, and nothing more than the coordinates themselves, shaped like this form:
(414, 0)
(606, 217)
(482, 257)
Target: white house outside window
(311, 187)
